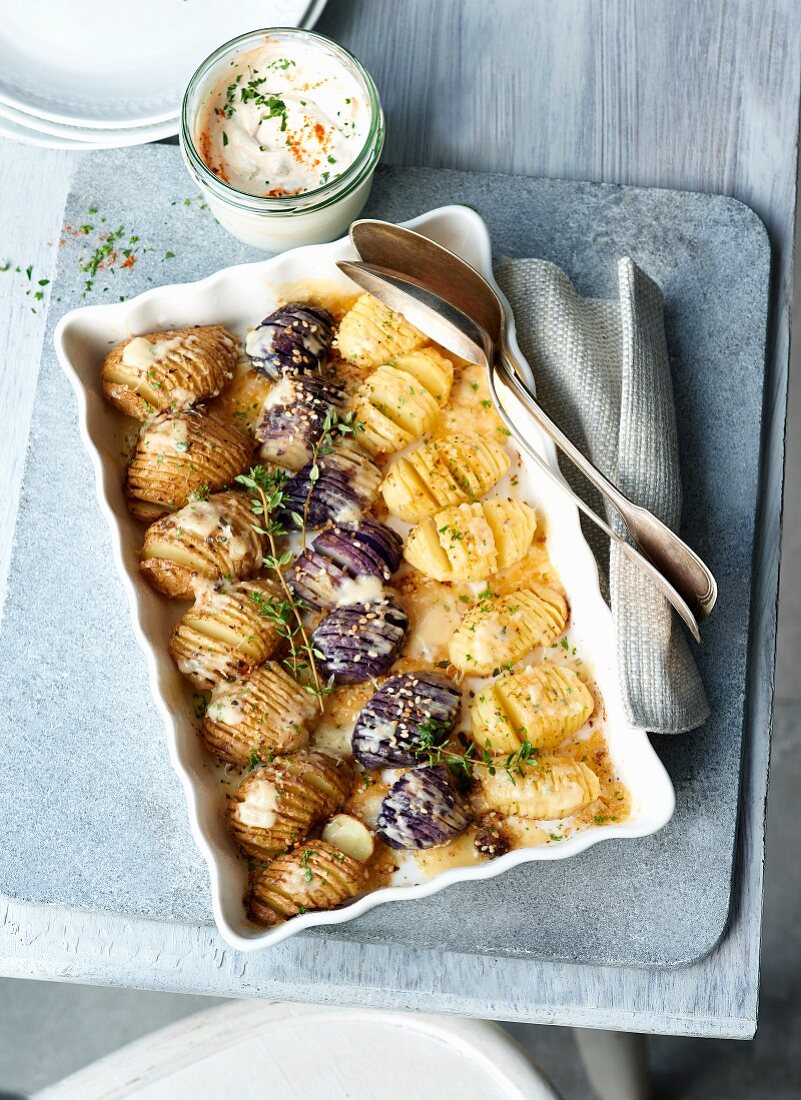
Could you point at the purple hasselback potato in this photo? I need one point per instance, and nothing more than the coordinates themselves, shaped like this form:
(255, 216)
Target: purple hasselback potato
(295, 337)
(370, 549)
(293, 417)
(347, 482)
(360, 641)
(389, 727)
(421, 810)
(321, 576)
(316, 580)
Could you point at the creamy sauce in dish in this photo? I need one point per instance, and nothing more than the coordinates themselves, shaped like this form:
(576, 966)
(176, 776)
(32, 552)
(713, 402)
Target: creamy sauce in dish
(283, 119)
(142, 352)
(260, 808)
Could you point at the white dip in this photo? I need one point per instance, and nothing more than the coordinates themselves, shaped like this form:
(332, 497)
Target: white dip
(283, 119)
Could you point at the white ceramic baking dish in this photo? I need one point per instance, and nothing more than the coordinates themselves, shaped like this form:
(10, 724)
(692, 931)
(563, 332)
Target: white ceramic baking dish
(239, 297)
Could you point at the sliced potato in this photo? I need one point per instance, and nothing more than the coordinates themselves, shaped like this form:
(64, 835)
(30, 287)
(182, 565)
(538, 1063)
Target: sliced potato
(169, 370)
(502, 629)
(549, 788)
(204, 541)
(278, 805)
(442, 472)
(371, 333)
(470, 542)
(400, 402)
(182, 454)
(227, 631)
(540, 704)
(260, 714)
(313, 876)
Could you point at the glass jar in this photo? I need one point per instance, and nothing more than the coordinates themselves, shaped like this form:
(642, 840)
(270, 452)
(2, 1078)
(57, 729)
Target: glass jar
(275, 224)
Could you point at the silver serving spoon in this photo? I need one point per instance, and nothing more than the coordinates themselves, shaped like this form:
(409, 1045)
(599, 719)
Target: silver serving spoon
(451, 328)
(451, 279)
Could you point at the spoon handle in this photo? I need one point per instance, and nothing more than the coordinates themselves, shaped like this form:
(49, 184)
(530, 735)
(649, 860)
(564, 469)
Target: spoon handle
(688, 574)
(662, 583)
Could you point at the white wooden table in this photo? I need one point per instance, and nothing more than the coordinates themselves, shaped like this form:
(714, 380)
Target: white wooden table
(651, 93)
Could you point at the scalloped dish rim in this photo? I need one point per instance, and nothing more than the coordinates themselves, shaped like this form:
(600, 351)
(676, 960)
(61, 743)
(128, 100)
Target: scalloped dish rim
(78, 337)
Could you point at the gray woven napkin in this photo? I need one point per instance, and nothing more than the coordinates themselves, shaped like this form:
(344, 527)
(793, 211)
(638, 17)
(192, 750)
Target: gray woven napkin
(602, 372)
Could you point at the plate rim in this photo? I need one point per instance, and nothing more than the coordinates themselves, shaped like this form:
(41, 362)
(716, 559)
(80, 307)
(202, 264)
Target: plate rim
(108, 137)
(476, 230)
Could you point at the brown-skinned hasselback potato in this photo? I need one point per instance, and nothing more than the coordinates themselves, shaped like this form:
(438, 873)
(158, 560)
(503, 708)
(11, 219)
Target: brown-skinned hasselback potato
(205, 540)
(315, 875)
(278, 805)
(228, 630)
(260, 714)
(169, 370)
(183, 456)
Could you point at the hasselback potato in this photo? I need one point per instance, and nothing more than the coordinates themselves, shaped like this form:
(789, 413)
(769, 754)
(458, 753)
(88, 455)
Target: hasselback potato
(541, 704)
(314, 876)
(263, 712)
(184, 453)
(169, 370)
(371, 333)
(293, 417)
(406, 711)
(442, 472)
(400, 401)
(367, 549)
(228, 630)
(552, 787)
(360, 641)
(422, 810)
(205, 540)
(502, 629)
(470, 542)
(346, 565)
(293, 338)
(278, 805)
(346, 483)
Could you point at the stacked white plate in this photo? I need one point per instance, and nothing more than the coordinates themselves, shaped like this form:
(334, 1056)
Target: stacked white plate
(96, 74)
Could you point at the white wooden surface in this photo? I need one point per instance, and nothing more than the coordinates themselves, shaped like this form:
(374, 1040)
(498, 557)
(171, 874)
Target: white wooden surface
(281, 1052)
(632, 91)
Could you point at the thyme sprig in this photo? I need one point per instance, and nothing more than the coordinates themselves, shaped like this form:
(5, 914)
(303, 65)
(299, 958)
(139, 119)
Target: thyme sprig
(286, 613)
(434, 748)
(336, 426)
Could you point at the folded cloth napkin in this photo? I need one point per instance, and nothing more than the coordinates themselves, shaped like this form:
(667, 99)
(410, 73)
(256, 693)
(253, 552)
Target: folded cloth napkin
(602, 373)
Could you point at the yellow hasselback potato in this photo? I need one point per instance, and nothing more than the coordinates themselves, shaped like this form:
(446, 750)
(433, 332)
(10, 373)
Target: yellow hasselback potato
(541, 704)
(401, 400)
(552, 787)
(470, 542)
(277, 806)
(314, 876)
(371, 333)
(184, 453)
(442, 472)
(502, 629)
(227, 631)
(169, 370)
(205, 540)
(262, 713)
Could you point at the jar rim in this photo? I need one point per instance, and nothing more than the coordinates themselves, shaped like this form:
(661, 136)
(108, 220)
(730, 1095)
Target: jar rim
(285, 205)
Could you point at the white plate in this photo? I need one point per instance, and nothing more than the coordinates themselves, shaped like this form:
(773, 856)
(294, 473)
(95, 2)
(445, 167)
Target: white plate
(32, 130)
(117, 63)
(83, 135)
(236, 297)
(26, 136)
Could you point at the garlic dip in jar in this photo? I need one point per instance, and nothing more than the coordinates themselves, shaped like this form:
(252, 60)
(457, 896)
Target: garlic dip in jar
(282, 130)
